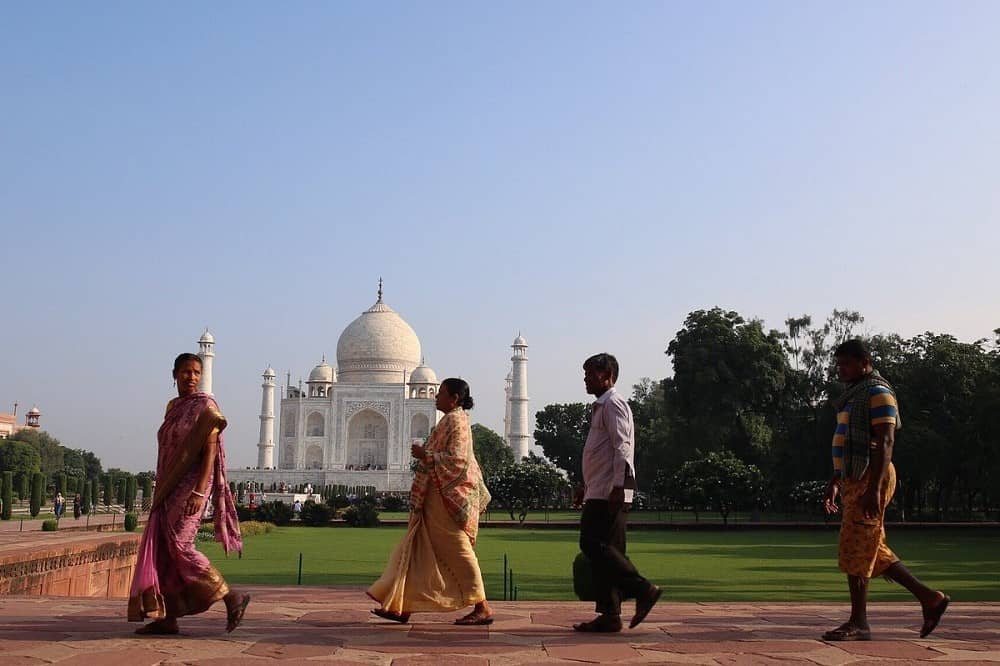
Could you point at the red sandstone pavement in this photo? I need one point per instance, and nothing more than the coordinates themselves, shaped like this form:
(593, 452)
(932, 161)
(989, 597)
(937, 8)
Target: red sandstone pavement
(303, 625)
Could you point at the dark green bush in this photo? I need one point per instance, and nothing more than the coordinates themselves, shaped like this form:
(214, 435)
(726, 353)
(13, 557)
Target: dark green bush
(338, 502)
(362, 514)
(243, 513)
(7, 497)
(37, 487)
(131, 522)
(394, 503)
(86, 497)
(50, 525)
(316, 515)
(276, 512)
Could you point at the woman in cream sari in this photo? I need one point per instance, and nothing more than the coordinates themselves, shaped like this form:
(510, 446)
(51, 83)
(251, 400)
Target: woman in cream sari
(434, 567)
(172, 578)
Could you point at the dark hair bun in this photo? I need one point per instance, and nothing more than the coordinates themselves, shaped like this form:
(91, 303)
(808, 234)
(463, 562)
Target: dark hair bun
(467, 402)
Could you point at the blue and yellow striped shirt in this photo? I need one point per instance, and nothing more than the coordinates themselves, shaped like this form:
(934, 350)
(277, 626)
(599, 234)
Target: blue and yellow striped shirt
(882, 408)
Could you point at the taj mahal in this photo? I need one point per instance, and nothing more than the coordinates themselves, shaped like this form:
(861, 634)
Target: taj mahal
(353, 424)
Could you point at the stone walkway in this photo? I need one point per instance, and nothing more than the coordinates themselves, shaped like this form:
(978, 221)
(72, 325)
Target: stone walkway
(307, 626)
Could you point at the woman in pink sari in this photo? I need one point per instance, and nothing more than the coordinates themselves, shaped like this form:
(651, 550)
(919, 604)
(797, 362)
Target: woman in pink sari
(172, 578)
(434, 567)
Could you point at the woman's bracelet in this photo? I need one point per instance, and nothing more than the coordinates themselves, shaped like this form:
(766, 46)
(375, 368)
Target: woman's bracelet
(195, 492)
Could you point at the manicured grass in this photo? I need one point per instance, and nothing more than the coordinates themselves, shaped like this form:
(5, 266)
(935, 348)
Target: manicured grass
(649, 516)
(691, 565)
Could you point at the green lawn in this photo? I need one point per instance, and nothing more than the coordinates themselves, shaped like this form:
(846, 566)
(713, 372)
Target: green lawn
(692, 566)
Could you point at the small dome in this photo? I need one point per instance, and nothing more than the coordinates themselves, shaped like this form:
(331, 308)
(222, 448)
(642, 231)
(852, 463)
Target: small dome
(423, 375)
(519, 341)
(322, 373)
(269, 372)
(206, 337)
(34, 411)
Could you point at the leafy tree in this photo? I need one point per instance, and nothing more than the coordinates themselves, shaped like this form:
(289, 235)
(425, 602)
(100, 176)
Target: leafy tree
(532, 484)
(60, 480)
(718, 481)
(729, 376)
(561, 430)
(20, 458)
(49, 449)
(653, 430)
(491, 451)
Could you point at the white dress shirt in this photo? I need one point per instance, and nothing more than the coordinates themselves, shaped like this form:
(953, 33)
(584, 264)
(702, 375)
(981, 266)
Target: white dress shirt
(609, 454)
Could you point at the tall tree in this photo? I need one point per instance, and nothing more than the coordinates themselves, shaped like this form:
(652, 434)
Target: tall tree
(729, 376)
(561, 430)
(49, 449)
(491, 451)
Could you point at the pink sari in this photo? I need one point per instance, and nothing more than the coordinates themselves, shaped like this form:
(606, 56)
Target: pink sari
(171, 577)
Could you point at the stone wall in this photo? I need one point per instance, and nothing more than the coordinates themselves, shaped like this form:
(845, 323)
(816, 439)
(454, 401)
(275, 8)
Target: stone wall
(71, 566)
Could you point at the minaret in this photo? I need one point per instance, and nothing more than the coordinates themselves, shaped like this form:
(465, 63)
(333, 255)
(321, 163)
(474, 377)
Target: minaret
(506, 415)
(206, 350)
(520, 436)
(265, 445)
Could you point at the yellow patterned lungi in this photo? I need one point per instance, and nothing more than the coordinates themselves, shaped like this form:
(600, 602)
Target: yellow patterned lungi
(863, 551)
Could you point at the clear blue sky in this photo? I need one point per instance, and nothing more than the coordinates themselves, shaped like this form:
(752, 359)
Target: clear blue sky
(586, 173)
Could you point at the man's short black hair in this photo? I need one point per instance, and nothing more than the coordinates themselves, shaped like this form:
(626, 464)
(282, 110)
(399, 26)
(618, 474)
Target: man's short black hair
(603, 363)
(854, 348)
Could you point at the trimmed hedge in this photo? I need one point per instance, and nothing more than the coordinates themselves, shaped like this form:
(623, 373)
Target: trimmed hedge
(50, 525)
(131, 522)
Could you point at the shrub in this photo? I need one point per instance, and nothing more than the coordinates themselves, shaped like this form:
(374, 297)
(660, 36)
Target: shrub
(50, 525)
(86, 498)
(131, 522)
(276, 512)
(255, 528)
(316, 515)
(362, 514)
(243, 513)
(37, 486)
(8, 495)
(338, 502)
(394, 503)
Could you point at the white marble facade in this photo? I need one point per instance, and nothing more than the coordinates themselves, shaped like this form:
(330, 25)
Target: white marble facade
(352, 424)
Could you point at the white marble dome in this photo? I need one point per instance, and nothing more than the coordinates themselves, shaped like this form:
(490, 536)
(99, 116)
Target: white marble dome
(207, 337)
(322, 373)
(423, 375)
(378, 347)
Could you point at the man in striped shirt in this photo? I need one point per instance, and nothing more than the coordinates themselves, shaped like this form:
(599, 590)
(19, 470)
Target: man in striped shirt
(865, 479)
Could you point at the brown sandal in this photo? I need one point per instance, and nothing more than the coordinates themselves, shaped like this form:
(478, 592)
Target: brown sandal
(474, 619)
(235, 616)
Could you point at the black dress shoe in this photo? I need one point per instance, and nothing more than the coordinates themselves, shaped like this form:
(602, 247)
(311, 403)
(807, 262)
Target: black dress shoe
(644, 604)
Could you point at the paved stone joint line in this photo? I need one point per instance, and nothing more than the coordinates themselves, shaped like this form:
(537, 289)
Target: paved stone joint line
(303, 625)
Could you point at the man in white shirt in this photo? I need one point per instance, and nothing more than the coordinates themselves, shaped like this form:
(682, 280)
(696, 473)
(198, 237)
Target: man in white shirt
(609, 484)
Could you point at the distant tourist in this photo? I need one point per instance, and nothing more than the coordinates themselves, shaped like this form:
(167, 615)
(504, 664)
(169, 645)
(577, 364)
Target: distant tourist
(297, 508)
(59, 506)
(434, 567)
(609, 485)
(865, 479)
(172, 578)
(77, 506)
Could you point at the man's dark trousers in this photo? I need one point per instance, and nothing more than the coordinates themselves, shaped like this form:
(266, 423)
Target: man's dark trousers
(602, 540)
